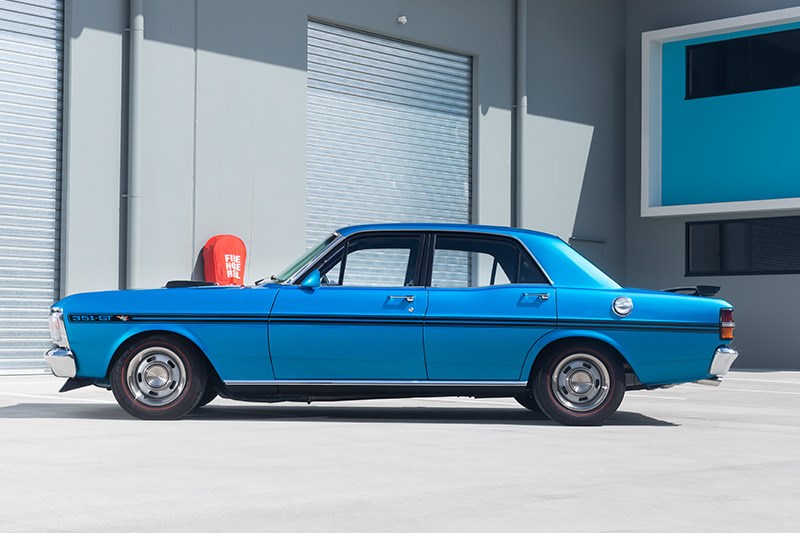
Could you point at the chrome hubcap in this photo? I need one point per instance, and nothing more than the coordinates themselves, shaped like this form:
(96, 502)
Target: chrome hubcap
(156, 376)
(580, 382)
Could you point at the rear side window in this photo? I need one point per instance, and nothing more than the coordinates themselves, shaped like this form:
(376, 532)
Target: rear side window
(475, 261)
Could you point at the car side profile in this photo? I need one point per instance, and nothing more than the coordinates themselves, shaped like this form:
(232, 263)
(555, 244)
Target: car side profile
(397, 311)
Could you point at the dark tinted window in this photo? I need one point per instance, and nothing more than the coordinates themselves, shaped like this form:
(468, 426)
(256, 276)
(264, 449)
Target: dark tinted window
(756, 246)
(473, 261)
(767, 61)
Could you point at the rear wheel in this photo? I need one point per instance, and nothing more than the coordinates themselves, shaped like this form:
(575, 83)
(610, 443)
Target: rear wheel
(160, 377)
(579, 385)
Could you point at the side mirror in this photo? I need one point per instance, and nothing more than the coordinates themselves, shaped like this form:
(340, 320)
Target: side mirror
(312, 280)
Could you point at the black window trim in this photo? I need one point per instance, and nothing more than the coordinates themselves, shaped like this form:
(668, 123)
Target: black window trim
(705, 273)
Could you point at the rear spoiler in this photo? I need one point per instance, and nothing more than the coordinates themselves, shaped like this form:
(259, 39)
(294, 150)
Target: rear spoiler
(698, 290)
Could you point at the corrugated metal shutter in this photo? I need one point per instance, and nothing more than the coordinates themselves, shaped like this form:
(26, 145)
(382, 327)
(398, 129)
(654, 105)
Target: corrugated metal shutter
(389, 127)
(31, 44)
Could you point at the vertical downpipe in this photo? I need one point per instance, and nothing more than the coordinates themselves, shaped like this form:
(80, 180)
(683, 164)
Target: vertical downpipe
(134, 144)
(522, 110)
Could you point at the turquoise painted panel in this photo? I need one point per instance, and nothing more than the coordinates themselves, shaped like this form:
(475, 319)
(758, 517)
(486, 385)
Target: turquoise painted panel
(667, 338)
(485, 333)
(228, 324)
(735, 147)
(333, 332)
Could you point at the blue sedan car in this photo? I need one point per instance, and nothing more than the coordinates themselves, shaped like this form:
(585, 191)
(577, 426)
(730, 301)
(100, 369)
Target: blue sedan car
(396, 311)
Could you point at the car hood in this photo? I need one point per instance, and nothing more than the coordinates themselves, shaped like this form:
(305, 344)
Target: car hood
(210, 300)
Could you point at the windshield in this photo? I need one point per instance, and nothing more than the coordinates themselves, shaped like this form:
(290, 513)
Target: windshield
(295, 267)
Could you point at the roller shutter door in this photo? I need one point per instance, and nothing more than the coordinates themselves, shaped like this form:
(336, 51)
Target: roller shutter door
(389, 126)
(31, 40)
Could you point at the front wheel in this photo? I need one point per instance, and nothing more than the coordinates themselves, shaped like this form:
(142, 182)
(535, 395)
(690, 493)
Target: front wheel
(579, 385)
(160, 377)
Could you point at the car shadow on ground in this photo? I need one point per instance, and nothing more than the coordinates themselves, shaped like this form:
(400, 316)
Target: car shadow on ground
(313, 413)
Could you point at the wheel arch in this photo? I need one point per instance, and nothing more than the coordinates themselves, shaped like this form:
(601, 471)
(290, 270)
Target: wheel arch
(136, 336)
(556, 340)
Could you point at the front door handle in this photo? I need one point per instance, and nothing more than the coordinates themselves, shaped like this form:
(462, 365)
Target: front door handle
(409, 298)
(539, 295)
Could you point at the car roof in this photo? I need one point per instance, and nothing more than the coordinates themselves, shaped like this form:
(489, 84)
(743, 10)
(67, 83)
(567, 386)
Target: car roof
(474, 228)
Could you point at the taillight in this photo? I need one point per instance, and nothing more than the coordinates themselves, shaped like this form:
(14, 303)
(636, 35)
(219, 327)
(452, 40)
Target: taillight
(726, 324)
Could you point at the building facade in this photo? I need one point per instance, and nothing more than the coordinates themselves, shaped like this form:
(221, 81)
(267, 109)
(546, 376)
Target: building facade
(132, 131)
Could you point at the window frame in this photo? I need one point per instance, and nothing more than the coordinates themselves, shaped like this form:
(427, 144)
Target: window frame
(650, 204)
(342, 246)
(519, 245)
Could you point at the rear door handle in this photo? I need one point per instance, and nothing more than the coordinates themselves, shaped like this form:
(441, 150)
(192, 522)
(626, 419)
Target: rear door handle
(409, 298)
(539, 295)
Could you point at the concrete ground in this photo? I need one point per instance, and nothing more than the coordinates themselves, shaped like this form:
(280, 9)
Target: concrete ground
(688, 458)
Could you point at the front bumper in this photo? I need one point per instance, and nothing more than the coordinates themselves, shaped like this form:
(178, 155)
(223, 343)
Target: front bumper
(61, 361)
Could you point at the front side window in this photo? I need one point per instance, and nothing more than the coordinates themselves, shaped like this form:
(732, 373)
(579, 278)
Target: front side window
(474, 261)
(375, 261)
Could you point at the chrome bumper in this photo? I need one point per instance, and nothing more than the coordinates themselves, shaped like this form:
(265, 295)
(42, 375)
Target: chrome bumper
(723, 359)
(720, 364)
(61, 361)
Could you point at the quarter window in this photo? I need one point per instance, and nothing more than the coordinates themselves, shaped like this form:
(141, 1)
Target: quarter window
(466, 261)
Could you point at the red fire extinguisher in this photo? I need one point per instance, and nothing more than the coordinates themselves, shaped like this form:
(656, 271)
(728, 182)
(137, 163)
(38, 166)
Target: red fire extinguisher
(223, 260)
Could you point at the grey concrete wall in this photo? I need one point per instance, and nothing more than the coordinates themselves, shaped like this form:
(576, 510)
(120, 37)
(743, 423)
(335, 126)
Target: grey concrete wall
(574, 185)
(94, 143)
(655, 254)
(223, 123)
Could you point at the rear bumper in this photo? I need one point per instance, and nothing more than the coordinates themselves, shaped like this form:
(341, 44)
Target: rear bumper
(61, 361)
(722, 361)
(720, 364)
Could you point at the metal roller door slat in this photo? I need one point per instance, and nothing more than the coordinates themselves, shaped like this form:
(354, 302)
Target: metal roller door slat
(336, 60)
(10, 42)
(37, 135)
(364, 43)
(31, 35)
(38, 9)
(342, 103)
(31, 17)
(323, 163)
(382, 92)
(390, 128)
(324, 132)
(376, 160)
(433, 78)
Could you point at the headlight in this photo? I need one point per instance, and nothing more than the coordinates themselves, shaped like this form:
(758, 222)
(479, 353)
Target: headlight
(58, 333)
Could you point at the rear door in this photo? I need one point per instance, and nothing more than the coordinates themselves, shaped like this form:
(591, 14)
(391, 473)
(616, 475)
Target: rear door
(488, 303)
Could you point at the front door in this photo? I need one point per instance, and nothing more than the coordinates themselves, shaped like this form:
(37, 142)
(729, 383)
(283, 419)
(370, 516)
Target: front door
(488, 304)
(364, 322)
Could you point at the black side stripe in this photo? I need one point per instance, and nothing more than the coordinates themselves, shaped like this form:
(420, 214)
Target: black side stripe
(396, 320)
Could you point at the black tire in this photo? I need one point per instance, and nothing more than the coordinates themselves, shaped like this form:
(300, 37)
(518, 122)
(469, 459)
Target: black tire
(208, 396)
(527, 401)
(159, 378)
(579, 385)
